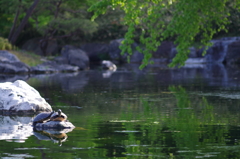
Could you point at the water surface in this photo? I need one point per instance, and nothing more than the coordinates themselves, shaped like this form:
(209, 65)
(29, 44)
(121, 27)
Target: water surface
(153, 113)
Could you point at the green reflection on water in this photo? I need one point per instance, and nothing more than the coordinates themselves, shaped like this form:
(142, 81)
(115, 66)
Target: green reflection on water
(168, 124)
(181, 132)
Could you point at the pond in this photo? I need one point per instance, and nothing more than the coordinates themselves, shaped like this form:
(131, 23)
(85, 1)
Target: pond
(192, 112)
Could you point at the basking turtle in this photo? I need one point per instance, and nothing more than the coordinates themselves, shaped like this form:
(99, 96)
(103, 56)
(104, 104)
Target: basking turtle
(58, 116)
(42, 117)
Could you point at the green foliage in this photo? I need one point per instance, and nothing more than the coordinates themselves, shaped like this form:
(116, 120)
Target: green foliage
(158, 20)
(5, 45)
(63, 19)
(50, 19)
(26, 57)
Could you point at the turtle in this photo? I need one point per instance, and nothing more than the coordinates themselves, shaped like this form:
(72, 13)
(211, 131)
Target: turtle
(42, 117)
(58, 116)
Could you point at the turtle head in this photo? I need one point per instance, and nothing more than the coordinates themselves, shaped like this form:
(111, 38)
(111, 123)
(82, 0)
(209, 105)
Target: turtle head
(59, 112)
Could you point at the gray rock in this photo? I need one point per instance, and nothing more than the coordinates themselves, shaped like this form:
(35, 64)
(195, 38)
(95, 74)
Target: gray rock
(54, 125)
(75, 57)
(195, 60)
(6, 56)
(136, 57)
(13, 67)
(19, 97)
(164, 51)
(96, 51)
(61, 60)
(53, 67)
(10, 64)
(233, 53)
(216, 53)
(115, 52)
(116, 56)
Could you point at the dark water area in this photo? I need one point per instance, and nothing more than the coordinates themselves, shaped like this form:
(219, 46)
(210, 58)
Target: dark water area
(192, 112)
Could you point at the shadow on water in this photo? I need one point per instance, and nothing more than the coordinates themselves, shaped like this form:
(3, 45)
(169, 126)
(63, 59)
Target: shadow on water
(154, 113)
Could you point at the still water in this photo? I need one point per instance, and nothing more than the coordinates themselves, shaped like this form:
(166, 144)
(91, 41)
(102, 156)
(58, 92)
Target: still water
(153, 113)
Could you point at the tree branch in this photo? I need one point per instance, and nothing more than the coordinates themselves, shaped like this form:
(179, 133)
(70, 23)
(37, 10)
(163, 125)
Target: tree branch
(14, 37)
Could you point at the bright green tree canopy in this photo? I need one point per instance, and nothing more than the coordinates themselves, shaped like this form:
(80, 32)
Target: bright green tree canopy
(185, 20)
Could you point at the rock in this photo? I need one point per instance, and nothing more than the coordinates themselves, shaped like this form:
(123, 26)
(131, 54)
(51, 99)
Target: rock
(53, 67)
(19, 97)
(136, 57)
(96, 51)
(9, 63)
(54, 125)
(194, 53)
(115, 53)
(164, 51)
(6, 56)
(33, 45)
(61, 60)
(75, 57)
(109, 65)
(195, 60)
(13, 68)
(216, 53)
(233, 53)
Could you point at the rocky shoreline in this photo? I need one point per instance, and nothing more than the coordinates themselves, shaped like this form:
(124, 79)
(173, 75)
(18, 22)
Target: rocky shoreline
(73, 59)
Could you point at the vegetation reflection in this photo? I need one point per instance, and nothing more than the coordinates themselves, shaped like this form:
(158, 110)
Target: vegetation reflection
(183, 131)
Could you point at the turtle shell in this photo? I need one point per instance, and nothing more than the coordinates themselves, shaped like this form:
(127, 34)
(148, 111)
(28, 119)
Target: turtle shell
(58, 116)
(40, 118)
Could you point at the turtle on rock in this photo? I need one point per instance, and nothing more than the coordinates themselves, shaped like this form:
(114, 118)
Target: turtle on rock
(58, 116)
(42, 117)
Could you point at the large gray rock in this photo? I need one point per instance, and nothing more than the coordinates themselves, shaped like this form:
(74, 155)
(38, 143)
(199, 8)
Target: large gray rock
(75, 57)
(233, 53)
(221, 50)
(9, 63)
(96, 51)
(217, 52)
(164, 51)
(115, 53)
(19, 97)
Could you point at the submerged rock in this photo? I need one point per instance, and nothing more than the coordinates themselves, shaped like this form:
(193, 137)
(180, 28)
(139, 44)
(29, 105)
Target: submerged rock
(19, 97)
(50, 125)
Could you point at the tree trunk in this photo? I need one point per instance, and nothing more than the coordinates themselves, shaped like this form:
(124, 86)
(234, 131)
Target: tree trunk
(15, 21)
(15, 35)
